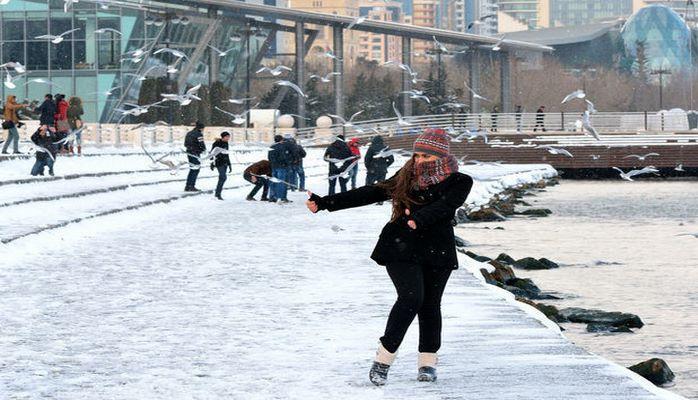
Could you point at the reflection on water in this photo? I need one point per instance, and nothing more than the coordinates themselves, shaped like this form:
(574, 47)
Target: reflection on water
(619, 246)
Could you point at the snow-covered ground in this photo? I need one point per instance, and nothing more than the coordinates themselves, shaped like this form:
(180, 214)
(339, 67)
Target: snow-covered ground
(197, 298)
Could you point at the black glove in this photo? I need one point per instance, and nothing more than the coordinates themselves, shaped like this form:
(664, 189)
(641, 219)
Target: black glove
(230, 169)
(213, 167)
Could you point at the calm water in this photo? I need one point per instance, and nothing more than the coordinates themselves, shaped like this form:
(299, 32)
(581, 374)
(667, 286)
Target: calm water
(619, 246)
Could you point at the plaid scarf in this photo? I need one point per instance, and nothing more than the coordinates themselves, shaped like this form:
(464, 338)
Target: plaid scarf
(432, 172)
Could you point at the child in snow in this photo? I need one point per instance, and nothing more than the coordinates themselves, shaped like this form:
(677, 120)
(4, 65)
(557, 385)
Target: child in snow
(417, 246)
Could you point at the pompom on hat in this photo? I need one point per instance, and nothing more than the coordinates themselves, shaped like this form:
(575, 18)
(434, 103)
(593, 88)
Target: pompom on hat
(433, 141)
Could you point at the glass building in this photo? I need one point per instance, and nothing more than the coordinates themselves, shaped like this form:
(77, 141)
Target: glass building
(580, 12)
(666, 38)
(93, 59)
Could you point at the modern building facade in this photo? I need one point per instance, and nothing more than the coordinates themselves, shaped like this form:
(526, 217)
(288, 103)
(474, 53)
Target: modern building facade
(532, 13)
(467, 16)
(93, 61)
(582, 12)
(378, 47)
(685, 8)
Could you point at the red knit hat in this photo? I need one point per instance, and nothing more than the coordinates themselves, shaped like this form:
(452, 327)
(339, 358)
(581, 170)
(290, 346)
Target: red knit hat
(434, 142)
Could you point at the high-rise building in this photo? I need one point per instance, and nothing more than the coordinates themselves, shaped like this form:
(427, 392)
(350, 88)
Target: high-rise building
(424, 13)
(582, 12)
(474, 16)
(529, 12)
(324, 39)
(375, 46)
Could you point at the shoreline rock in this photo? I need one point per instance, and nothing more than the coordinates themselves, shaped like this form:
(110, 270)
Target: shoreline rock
(654, 370)
(599, 318)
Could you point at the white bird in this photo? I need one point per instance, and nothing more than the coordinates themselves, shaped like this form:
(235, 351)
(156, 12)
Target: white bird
(476, 134)
(292, 86)
(9, 80)
(467, 134)
(595, 157)
(108, 92)
(276, 71)
(162, 160)
(556, 151)
(4, 2)
(221, 53)
(586, 124)
(149, 127)
(137, 109)
(695, 235)
(590, 107)
(498, 45)
(183, 99)
(238, 119)
(174, 52)
(577, 94)
(355, 22)
(105, 30)
(440, 46)
(330, 54)
(67, 4)
(326, 78)
(240, 101)
(475, 95)
(346, 123)
(70, 137)
(144, 75)
(40, 149)
(339, 162)
(417, 95)
(628, 176)
(211, 155)
(172, 68)
(641, 158)
(346, 173)
(17, 66)
(336, 228)
(275, 180)
(42, 81)
(139, 52)
(236, 37)
(387, 152)
(679, 168)
(57, 39)
(400, 120)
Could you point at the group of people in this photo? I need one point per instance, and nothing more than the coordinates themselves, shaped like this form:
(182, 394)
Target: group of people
(343, 158)
(286, 163)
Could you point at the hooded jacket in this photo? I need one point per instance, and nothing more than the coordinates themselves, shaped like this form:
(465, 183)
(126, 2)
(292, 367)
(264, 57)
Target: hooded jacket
(48, 112)
(377, 165)
(338, 150)
(11, 107)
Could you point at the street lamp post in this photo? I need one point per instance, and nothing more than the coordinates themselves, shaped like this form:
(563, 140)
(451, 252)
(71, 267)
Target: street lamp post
(661, 72)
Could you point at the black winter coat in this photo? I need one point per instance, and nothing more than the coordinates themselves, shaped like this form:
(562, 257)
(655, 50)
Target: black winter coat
(338, 150)
(221, 159)
(281, 154)
(46, 142)
(433, 242)
(194, 142)
(48, 111)
(298, 153)
(377, 165)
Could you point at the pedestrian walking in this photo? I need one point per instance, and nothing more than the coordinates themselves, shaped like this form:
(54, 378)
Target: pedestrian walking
(75, 112)
(297, 176)
(377, 167)
(47, 111)
(43, 138)
(280, 156)
(336, 151)
(354, 146)
(417, 246)
(194, 145)
(221, 162)
(11, 123)
(494, 115)
(518, 112)
(540, 119)
(256, 174)
(61, 122)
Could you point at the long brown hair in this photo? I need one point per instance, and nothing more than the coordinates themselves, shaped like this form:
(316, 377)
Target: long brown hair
(399, 189)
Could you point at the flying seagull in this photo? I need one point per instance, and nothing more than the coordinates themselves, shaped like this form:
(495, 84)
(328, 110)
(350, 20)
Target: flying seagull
(641, 158)
(400, 120)
(556, 151)
(59, 38)
(577, 94)
(355, 22)
(628, 176)
(292, 86)
(326, 78)
(276, 71)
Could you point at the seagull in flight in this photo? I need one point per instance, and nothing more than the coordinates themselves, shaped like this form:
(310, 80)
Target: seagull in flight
(498, 45)
(417, 95)
(346, 173)
(221, 53)
(556, 151)
(695, 235)
(70, 137)
(339, 162)
(326, 78)
(59, 38)
(586, 124)
(679, 168)
(330, 54)
(148, 127)
(238, 119)
(276, 71)
(108, 92)
(355, 22)
(387, 152)
(400, 119)
(240, 101)
(137, 109)
(641, 158)
(162, 160)
(440, 46)
(628, 176)
(17, 66)
(292, 86)
(9, 80)
(174, 52)
(475, 95)
(577, 94)
(144, 75)
(183, 99)
(346, 123)
(105, 30)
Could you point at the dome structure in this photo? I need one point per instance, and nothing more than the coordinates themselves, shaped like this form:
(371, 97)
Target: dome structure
(663, 33)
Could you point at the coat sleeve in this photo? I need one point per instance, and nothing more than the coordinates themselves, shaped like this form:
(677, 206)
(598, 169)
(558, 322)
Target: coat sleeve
(362, 196)
(368, 158)
(446, 206)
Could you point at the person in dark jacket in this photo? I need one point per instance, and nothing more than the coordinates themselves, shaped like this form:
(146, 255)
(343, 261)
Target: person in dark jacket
(48, 111)
(377, 167)
(75, 112)
(221, 162)
(281, 158)
(255, 174)
(339, 157)
(194, 145)
(417, 246)
(45, 150)
(297, 177)
(540, 119)
(494, 115)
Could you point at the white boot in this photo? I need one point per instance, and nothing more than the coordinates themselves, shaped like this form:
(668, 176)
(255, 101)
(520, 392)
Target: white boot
(381, 365)
(426, 363)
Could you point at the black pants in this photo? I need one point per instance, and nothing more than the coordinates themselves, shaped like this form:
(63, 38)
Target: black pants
(194, 168)
(539, 123)
(261, 183)
(375, 177)
(222, 177)
(342, 185)
(419, 290)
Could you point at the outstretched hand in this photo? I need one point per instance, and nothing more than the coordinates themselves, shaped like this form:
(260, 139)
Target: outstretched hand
(410, 223)
(312, 206)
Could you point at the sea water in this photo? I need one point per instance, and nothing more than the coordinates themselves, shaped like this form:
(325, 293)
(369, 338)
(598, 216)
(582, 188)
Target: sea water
(620, 249)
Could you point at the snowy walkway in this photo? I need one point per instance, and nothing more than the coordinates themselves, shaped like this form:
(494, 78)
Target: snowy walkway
(198, 299)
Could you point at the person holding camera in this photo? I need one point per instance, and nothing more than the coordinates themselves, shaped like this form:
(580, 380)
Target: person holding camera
(11, 123)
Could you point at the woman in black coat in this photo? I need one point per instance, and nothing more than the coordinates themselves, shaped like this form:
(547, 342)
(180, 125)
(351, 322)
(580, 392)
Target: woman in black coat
(417, 246)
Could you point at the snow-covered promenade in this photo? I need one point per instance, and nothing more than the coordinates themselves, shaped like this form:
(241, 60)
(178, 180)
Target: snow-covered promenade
(200, 299)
